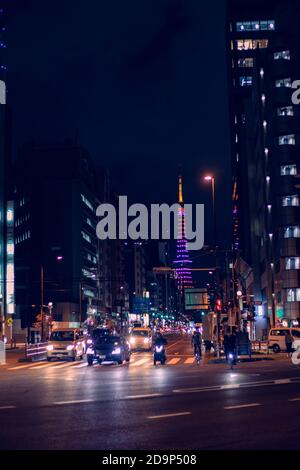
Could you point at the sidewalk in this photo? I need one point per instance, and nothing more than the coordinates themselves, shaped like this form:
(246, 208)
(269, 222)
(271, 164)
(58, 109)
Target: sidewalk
(13, 355)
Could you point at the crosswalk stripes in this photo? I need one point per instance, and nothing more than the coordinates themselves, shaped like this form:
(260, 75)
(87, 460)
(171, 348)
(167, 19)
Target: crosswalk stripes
(189, 360)
(136, 361)
(140, 362)
(174, 361)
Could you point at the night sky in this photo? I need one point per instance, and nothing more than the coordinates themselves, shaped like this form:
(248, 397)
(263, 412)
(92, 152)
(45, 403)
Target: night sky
(144, 82)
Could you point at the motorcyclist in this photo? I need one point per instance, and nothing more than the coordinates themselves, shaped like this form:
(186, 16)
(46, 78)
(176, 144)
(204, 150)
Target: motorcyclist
(160, 340)
(196, 342)
(230, 345)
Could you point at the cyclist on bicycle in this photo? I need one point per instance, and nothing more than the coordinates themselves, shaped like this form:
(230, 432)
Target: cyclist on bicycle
(196, 342)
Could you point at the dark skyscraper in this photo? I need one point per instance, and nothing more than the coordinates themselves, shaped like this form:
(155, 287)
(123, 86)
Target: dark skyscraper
(3, 171)
(56, 198)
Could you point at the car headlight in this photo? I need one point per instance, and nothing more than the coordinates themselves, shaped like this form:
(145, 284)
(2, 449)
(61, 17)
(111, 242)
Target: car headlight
(146, 340)
(49, 347)
(70, 347)
(132, 340)
(117, 351)
(89, 341)
(90, 351)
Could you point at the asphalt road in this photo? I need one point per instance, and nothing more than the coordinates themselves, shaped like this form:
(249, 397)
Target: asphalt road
(178, 406)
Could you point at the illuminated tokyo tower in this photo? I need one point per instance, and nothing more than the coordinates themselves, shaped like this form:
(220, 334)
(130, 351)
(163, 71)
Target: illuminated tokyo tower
(182, 264)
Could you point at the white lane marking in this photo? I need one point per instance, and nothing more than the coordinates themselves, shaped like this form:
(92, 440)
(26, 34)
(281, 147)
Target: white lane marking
(7, 407)
(43, 366)
(65, 364)
(294, 399)
(149, 395)
(173, 361)
(229, 386)
(189, 360)
(170, 415)
(236, 407)
(25, 366)
(212, 388)
(282, 381)
(140, 362)
(171, 345)
(72, 402)
(84, 364)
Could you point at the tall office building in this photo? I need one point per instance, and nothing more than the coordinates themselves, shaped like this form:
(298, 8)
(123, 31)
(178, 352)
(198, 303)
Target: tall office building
(182, 263)
(4, 168)
(264, 57)
(56, 248)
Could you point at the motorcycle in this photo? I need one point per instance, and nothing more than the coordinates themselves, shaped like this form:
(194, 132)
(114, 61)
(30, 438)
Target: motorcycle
(198, 354)
(159, 354)
(231, 360)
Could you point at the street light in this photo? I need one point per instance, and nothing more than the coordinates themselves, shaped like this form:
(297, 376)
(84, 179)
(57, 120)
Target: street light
(212, 180)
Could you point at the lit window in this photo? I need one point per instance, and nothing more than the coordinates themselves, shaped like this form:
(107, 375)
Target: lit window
(287, 139)
(267, 25)
(292, 263)
(293, 295)
(246, 62)
(285, 111)
(286, 170)
(248, 44)
(282, 55)
(292, 200)
(86, 237)
(246, 81)
(283, 82)
(10, 215)
(10, 248)
(292, 231)
(87, 202)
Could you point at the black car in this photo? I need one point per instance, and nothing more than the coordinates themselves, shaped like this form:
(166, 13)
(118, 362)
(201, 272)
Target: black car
(108, 348)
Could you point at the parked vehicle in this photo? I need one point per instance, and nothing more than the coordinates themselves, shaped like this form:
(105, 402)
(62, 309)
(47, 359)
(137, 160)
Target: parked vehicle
(276, 338)
(107, 348)
(66, 343)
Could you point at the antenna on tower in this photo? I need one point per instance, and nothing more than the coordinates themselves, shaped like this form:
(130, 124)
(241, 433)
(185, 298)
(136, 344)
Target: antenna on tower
(180, 192)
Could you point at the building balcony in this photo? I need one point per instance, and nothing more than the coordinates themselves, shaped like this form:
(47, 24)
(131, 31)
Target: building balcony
(281, 125)
(284, 154)
(291, 310)
(289, 247)
(288, 215)
(281, 96)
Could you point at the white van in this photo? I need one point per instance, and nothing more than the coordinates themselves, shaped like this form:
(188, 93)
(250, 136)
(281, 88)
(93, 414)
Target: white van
(276, 338)
(66, 343)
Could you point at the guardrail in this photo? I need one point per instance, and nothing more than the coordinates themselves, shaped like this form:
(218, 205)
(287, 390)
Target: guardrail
(35, 351)
(259, 346)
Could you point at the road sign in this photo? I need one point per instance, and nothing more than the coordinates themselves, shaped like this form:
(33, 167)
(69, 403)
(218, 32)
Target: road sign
(196, 299)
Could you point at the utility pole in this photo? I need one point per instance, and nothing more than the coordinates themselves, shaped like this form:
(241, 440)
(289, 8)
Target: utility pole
(42, 304)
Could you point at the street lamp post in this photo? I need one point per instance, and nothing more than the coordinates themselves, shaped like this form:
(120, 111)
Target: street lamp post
(211, 178)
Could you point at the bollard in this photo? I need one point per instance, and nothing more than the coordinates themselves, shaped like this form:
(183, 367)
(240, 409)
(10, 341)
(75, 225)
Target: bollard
(2, 353)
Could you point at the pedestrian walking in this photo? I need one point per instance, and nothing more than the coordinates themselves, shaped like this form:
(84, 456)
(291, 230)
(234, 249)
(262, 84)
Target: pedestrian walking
(289, 343)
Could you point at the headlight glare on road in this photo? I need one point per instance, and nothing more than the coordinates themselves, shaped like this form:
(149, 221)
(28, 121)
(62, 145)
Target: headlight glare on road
(49, 347)
(117, 351)
(70, 347)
